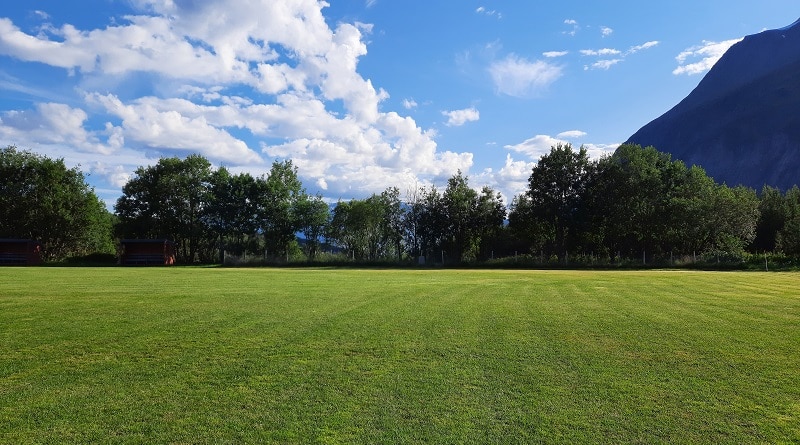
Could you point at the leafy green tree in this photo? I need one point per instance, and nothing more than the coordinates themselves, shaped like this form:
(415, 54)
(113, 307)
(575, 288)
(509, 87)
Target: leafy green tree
(42, 199)
(312, 215)
(281, 192)
(531, 231)
(169, 200)
(772, 218)
(355, 226)
(788, 238)
(489, 220)
(392, 221)
(556, 189)
(370, 229)
(424, 222)
(733, 219)
(232, 210)
(460, 203)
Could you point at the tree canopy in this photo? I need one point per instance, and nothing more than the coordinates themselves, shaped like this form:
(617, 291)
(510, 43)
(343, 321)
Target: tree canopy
(42, 199)
(637, 202)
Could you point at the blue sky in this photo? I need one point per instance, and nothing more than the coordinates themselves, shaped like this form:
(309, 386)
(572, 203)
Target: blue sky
(360, 94)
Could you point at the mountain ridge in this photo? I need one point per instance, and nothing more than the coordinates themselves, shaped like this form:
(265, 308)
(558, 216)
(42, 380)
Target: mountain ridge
(742, 121)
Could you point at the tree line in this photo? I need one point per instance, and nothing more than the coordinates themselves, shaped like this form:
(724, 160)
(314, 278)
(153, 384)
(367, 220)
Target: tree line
(637, 204)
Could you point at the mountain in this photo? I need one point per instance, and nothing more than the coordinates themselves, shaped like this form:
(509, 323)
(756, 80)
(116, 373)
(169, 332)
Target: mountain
(742, 121)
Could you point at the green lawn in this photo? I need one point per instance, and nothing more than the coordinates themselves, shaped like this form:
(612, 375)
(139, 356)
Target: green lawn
(205, 355)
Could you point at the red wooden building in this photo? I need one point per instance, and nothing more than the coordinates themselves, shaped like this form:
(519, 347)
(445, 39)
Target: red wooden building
(147, 252)
(20, 252)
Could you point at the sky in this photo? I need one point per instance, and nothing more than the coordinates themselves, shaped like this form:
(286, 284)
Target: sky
(360, 95)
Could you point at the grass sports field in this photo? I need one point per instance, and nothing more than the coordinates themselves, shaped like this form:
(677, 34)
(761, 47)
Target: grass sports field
(207, 355)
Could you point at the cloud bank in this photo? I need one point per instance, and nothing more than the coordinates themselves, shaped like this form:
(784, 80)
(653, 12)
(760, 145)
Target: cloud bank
(241, 85)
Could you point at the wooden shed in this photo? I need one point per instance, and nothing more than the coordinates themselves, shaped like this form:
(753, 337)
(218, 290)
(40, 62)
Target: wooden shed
(147, 252)
(20, 252)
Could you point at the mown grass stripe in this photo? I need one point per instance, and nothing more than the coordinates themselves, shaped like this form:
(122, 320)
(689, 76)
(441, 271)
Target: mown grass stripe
(204, 355)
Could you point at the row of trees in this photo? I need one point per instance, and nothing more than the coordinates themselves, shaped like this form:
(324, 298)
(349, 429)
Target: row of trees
(207, 212)
(636, 203)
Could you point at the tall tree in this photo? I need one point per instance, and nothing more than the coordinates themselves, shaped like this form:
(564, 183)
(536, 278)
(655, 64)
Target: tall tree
(232, 210)
(772, 218)
(168, 200)
(424, 222)
(460, 209)
(393, 214)
(312, 215)
(556, 188)
(282, 190)
(788, 239)
(42, 199)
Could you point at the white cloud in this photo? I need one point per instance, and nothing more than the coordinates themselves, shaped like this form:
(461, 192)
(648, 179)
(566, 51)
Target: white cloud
(489, 12)
(510, 180)
(536, 147)
(515, 76)
(409, 104)
(607, 54)
(554, 54)
(55, 124)
(600, 52)
(457, 118)
(597, 151)
(708, 53)
(606, 31)
(540, 145)
(642, 47)
(574, 27)
(572, 134)
(605, 64)
(238, 83)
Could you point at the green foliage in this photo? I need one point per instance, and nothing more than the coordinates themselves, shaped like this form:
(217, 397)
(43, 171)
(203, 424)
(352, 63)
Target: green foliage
(312, 215)
(556, 189)
(232, 211)
(42, 199)
(280, 194)
(168, 200)
(368, 229)
(788, 237)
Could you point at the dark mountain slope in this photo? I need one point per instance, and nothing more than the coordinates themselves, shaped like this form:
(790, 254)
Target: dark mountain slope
(742, 122)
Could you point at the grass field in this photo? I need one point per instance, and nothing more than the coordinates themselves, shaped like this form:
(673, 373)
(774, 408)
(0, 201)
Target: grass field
(206, 355)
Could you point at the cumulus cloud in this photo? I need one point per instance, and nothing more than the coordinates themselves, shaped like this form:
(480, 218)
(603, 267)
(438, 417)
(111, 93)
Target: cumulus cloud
(708, 53)
(239, 83)
(605, 31)
(457, 118)
(511, 179)
(518, 77)
(56, 124)
(536, 147)
(409, 104)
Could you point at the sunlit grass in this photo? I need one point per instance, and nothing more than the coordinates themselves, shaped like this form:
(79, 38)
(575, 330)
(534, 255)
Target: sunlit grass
(199, 355)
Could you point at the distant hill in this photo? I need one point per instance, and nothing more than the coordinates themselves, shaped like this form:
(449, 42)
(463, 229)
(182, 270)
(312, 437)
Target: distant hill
(742, 122)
